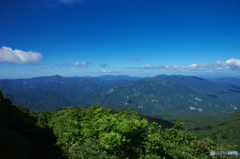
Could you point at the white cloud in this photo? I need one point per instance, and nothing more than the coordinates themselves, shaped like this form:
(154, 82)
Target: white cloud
(83, 64)
(106, 71)
(192, 66)
(201, 66)
(19, 56)
(147, 67)
(176, 67)
(231, 64)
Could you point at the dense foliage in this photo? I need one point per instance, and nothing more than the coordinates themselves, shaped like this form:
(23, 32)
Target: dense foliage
(119, 135)
(225, 130)
(94, 133)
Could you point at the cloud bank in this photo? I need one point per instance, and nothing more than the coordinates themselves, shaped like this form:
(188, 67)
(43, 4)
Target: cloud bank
(19, 56)
(231, 64)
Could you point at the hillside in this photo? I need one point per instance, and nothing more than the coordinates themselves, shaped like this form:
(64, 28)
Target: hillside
(220, 130)
(221, 92)
(53, 92)
(152, 94)
(81, 133)
(148, 95)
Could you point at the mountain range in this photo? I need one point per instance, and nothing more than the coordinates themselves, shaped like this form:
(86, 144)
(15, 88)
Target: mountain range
(147, 94)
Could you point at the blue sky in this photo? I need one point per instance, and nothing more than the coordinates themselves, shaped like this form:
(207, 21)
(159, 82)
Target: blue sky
(119, 37)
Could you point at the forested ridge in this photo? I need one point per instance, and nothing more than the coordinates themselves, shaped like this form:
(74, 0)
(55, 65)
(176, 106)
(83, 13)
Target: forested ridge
(105, 133)
(148, 95)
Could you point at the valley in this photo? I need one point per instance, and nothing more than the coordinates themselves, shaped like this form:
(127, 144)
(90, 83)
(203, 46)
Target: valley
(200, 104)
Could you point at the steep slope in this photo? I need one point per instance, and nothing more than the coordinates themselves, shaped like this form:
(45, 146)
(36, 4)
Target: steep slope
(225, 130)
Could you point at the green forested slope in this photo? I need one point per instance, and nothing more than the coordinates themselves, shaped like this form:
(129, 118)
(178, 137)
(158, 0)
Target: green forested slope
(220, 130)
(151, 95)
(96, 133)
(221, 92)
(39, 100)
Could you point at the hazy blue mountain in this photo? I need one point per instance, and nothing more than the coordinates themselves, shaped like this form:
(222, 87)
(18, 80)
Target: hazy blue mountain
(227, 80)
(37, 92)
(39, 100)
(147, 94)
(37, 82)
(58, 83)
(112, 77)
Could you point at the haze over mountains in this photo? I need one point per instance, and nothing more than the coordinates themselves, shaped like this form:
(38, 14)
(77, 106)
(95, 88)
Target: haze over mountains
(149, 94)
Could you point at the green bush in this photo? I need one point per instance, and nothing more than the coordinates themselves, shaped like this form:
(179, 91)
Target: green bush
(95, 132)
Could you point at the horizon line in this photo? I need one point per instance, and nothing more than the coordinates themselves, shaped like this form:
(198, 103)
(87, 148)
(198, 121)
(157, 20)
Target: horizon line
(201, 76)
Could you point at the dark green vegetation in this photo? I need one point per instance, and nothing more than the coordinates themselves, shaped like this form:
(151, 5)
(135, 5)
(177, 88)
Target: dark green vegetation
(220, 130)
(21, 133)
(97, 133)
(179, 111)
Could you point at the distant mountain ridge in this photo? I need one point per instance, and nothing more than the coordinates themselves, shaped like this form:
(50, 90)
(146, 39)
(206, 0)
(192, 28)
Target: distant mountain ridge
(221, 92)
(69, 89)
(147, 94)
(157, 93)
(111, 77)
(226, 80)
